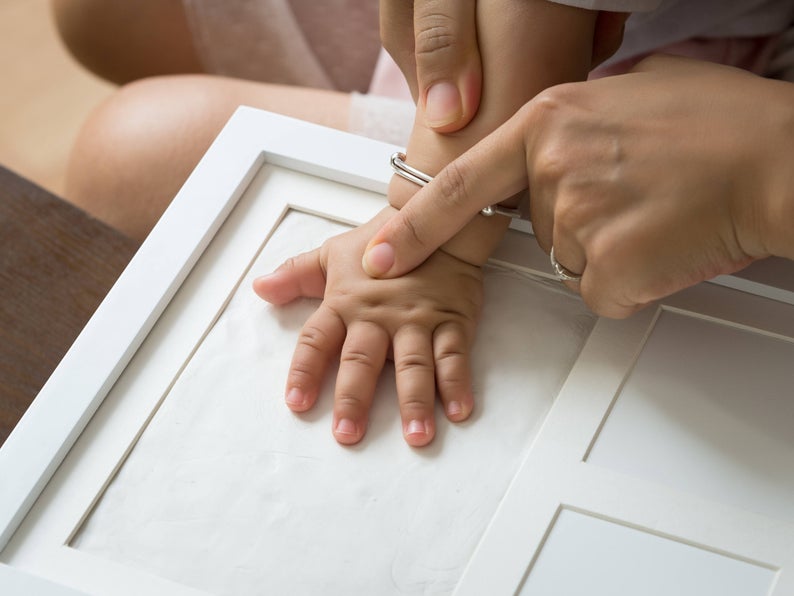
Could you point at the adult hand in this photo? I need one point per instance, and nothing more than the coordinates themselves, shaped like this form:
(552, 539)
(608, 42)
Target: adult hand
(644, 183)
(434, 42)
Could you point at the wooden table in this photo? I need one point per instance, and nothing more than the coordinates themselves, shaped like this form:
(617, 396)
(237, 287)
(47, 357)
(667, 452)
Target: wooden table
(56, 265)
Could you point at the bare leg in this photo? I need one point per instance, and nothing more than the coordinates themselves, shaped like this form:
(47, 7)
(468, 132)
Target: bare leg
(135, 151)
(122, 41)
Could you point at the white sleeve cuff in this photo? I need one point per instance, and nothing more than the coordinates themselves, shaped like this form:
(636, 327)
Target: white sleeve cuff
(381, 118)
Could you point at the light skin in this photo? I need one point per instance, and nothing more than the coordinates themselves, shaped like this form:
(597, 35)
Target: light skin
(117, 172)
(436, 46)
(645, 183)
(136, 149)
(430, 335)
(126, 41)
(426, 319)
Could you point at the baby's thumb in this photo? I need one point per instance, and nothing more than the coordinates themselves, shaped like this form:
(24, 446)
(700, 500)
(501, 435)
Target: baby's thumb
(299, 276)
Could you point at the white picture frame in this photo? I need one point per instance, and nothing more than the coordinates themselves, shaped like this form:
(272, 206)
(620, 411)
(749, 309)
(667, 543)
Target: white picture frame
(44, 441)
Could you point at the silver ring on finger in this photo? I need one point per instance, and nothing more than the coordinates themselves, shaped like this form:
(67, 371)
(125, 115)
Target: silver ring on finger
(562, 273)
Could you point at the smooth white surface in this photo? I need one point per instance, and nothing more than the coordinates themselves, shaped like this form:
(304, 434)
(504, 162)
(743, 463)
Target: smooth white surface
(586, 556)
(558, 474)
(18, 583)
(229, 492)
(709, 409)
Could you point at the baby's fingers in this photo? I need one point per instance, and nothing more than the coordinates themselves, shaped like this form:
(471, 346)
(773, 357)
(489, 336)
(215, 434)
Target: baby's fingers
(451, 352)
(360, 364)
(319, 342)
(416, 387)
(302, 275)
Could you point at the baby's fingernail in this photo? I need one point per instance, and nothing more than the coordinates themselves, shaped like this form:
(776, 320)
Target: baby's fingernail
(295, 398)
(416, 427)
(443, 105)
(378, 259)
(454, 409)
(345, 426)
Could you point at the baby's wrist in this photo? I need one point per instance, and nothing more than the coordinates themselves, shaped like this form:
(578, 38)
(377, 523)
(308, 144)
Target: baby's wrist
(474, 244)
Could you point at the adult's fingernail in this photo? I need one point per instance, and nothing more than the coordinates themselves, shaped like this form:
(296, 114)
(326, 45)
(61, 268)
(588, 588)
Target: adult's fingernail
(378, 259)
(443, 105)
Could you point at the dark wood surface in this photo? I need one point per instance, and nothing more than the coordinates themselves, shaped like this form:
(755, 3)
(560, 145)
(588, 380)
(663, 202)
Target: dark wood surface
(56, 265)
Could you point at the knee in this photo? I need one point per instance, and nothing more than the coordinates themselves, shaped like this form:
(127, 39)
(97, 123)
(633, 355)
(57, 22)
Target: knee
(124, 41)
(136, 149)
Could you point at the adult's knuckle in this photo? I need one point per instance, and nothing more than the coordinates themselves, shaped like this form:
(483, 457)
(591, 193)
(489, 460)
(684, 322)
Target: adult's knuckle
(604, 304)
(545, 105)
(550, 163)
(453, 187)
(556, 99)
(604, 251)
(552, 106)
(435, 36)
(570, 214)
(408, 228)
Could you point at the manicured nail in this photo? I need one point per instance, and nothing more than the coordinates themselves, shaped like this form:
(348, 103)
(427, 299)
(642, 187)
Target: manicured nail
(443, 105)
(416, 427)
(295, 398)
(378, 259)
(454, 409)
(345, 426)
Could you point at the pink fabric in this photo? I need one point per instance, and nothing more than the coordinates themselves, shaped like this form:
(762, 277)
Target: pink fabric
(748, 53)
(332, 44)
(388, 80)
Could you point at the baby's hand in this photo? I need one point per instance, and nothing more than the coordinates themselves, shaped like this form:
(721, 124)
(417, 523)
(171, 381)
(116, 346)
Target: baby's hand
(426, 320)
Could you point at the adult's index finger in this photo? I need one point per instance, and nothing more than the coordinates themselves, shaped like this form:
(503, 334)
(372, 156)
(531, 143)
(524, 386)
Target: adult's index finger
(488, 173)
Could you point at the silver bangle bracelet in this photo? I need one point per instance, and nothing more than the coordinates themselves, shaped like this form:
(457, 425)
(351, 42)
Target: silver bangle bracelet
(420, 178)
